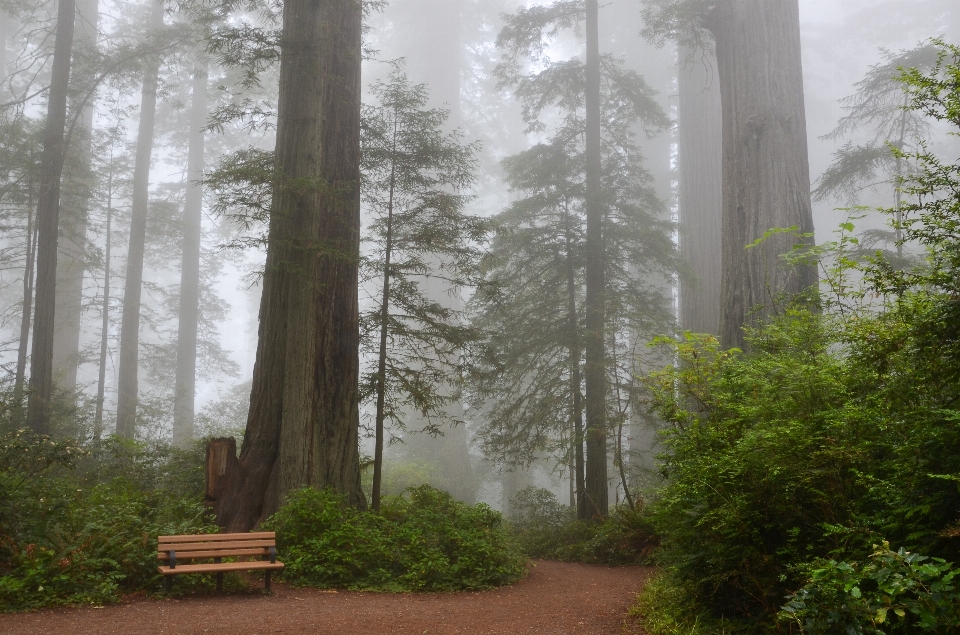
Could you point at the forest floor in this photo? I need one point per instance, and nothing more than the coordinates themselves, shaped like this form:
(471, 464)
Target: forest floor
(553, 599)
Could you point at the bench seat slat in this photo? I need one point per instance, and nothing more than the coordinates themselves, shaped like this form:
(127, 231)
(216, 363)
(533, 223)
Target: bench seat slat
(226, 553)
(256, 535)
(185, 547)
(222, 567)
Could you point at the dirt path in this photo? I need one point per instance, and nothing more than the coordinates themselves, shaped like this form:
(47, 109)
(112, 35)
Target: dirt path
(554, 599)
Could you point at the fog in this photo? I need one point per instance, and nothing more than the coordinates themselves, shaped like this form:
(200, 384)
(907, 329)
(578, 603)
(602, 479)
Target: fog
(452, 426)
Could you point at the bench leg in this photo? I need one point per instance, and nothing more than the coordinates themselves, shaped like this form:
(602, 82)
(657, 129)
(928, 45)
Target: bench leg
(266, 580)
(219, 582)
(168, 583)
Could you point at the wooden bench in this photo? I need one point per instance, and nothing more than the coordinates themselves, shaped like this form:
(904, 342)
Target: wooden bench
(173, 550)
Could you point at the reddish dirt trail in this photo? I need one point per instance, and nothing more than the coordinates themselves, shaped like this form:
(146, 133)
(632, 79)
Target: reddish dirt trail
(554, 599)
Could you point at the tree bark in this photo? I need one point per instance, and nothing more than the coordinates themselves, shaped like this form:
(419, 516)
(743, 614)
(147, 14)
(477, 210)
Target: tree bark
(72, 246)
(48, 221)
(766, 174)
(700, 127)
(595, 370)
(128, 385)
(303, 425)
(186, 372)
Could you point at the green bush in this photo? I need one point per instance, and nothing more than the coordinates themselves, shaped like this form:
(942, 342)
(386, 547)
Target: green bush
(894, 592)
(665, 608)
(827, 435)
(79, 525)
(546, 529)
(425, 541)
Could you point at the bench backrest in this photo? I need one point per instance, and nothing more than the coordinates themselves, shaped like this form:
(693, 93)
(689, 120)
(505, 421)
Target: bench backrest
(187, 547)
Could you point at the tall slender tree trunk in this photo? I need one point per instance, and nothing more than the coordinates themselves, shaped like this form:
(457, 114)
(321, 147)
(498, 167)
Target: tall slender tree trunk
(576, 397)
(384, 317)
(31, 258)
(186, 372)
(596, 382)
(128, 385)
(700, 154)
(72, 245)
(304, 420)
(48, 221)
(766, 174)
(104, 315)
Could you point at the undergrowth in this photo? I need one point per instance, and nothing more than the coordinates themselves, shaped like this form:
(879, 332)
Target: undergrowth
(78, 524)
(545, 528)
(423, 541)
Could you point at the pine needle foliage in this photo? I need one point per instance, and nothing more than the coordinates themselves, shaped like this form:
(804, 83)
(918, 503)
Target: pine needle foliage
(423, 251)
(531, 306)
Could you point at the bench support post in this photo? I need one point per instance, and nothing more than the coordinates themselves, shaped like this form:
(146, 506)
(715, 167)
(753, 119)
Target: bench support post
(168, 583)
(266, 580)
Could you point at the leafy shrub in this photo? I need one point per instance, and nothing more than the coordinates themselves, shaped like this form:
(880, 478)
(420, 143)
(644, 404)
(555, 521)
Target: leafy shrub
(545, 528)
(826, 435)
(426, 541)
(540, 522)
(665, 608)
(79, 525)
(894, 592)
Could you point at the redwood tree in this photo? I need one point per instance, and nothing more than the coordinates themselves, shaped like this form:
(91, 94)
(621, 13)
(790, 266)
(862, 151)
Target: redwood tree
(127, 385)
(72, 247)
(766, 175)
(303, 424)
(766, 171)
(185, 382)
(700, 191)
(596, 487)
(48, 221)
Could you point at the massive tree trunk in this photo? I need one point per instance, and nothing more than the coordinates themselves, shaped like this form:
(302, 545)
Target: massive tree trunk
(303, 425)
(186, 373)
(596, 486)
(48, 221)
(128, 385)
(766, 174)
(700, 127)
(72, 257)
